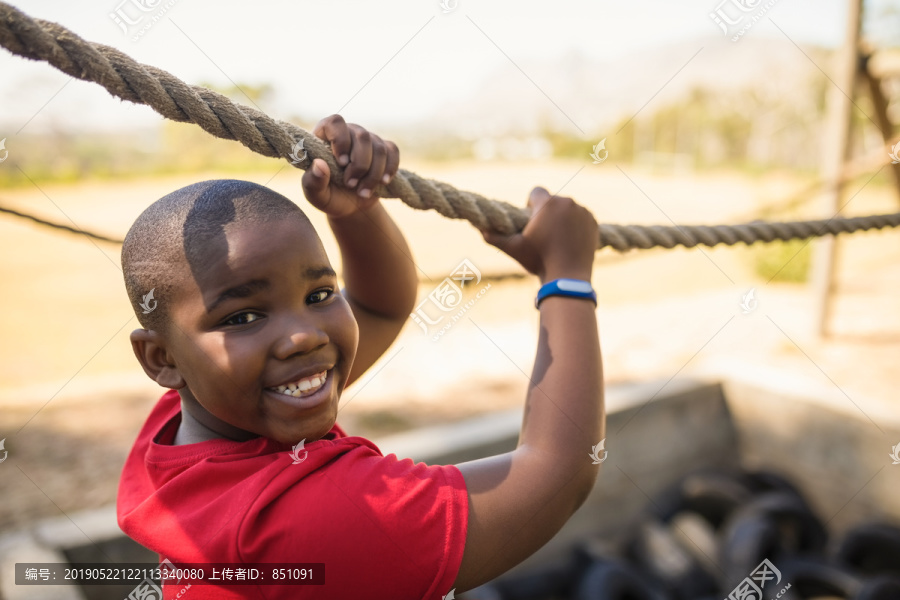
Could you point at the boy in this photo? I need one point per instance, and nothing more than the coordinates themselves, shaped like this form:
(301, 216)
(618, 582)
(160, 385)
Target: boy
(248, 330)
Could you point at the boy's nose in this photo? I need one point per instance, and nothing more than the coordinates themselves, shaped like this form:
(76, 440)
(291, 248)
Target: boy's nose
(300, 337)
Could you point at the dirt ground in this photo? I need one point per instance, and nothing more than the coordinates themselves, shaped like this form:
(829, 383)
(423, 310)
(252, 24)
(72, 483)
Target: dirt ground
(72, 397)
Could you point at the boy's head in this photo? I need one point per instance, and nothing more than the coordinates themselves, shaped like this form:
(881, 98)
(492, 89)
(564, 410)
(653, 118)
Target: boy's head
(246, 315)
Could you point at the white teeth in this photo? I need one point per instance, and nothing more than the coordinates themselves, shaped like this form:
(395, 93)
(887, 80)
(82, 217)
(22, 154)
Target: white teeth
(301, 387)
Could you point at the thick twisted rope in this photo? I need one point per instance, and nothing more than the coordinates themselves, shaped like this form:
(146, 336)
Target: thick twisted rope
(216, 114)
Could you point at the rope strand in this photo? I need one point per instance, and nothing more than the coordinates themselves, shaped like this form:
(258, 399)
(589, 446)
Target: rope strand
(125, 78)
(52, 225)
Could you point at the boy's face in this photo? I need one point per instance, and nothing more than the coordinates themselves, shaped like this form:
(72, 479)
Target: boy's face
(263, 315)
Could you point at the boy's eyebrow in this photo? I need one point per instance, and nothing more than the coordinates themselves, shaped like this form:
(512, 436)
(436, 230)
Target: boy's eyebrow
(319, 272)
(245, 290)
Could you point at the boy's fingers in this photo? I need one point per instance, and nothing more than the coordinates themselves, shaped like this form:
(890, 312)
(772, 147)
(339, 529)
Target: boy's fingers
(360, 155)
(392, 161)
(376, 169)
(506, 243)
(315, 180)
(516, 247)
(335, 130)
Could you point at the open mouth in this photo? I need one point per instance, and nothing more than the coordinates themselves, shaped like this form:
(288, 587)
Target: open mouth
(303, 387)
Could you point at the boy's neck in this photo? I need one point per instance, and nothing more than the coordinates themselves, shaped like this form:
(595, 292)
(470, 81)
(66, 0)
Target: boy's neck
(193, 431)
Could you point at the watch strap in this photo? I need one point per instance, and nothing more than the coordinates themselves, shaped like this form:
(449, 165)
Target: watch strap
(571, 288)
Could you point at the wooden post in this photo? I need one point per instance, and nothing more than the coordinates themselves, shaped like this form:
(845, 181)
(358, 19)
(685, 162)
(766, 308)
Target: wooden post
(880, 104)
(836, 153)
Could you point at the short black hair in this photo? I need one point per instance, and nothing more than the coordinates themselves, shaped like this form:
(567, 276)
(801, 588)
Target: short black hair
(180, 228)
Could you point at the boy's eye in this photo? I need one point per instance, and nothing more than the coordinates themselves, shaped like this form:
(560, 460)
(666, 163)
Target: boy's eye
(243, 318)
(320, 296)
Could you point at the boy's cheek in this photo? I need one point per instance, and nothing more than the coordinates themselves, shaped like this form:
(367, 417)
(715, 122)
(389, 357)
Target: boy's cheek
(222, 355)
(344, 325)
(216, 374)
(352, 341)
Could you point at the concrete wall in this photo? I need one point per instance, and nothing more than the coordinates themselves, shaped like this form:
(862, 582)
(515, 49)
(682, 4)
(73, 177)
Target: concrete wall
(836, 446)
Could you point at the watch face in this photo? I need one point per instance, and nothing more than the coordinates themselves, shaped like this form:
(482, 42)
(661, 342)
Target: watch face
(574, 285)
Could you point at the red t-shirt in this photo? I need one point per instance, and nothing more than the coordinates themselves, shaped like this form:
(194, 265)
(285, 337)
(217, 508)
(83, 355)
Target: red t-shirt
(383, 527)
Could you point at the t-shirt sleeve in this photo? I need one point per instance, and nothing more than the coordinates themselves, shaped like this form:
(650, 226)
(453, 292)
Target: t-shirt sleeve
(383, 527)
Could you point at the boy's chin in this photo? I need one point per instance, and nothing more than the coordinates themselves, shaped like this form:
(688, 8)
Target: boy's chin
(307, 434)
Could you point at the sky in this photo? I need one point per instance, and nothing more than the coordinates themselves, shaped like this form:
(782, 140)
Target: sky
(374, 62)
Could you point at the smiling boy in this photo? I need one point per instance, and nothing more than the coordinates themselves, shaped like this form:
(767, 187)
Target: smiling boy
(256, 343)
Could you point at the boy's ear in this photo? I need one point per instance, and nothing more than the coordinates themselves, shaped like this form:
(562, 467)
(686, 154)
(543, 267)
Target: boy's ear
(149, 348)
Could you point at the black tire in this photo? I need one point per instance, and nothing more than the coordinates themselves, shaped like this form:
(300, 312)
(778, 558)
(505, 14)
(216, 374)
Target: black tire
(711, 493)
(715, 493)
(746, 541)
(773, 525)
(880, 588)
(613, 580)
(812, 577)
(871, 549)
(655, 550)
(761, 482)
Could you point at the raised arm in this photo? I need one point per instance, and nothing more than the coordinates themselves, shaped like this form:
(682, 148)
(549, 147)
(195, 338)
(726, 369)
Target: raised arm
(380, 280)
(378, 270)
(519, 500)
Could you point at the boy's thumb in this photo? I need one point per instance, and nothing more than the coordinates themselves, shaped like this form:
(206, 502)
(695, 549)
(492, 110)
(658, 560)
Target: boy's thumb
(538, 195)
(316, 179)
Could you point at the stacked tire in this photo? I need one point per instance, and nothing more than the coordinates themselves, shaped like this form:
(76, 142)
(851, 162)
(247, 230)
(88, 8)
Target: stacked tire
(718, 535)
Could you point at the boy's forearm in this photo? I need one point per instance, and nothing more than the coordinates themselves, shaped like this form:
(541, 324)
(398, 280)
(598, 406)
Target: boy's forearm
(378, 270)
(565, 413)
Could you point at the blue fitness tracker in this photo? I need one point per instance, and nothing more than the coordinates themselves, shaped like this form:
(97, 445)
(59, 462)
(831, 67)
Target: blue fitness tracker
(572, 288)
